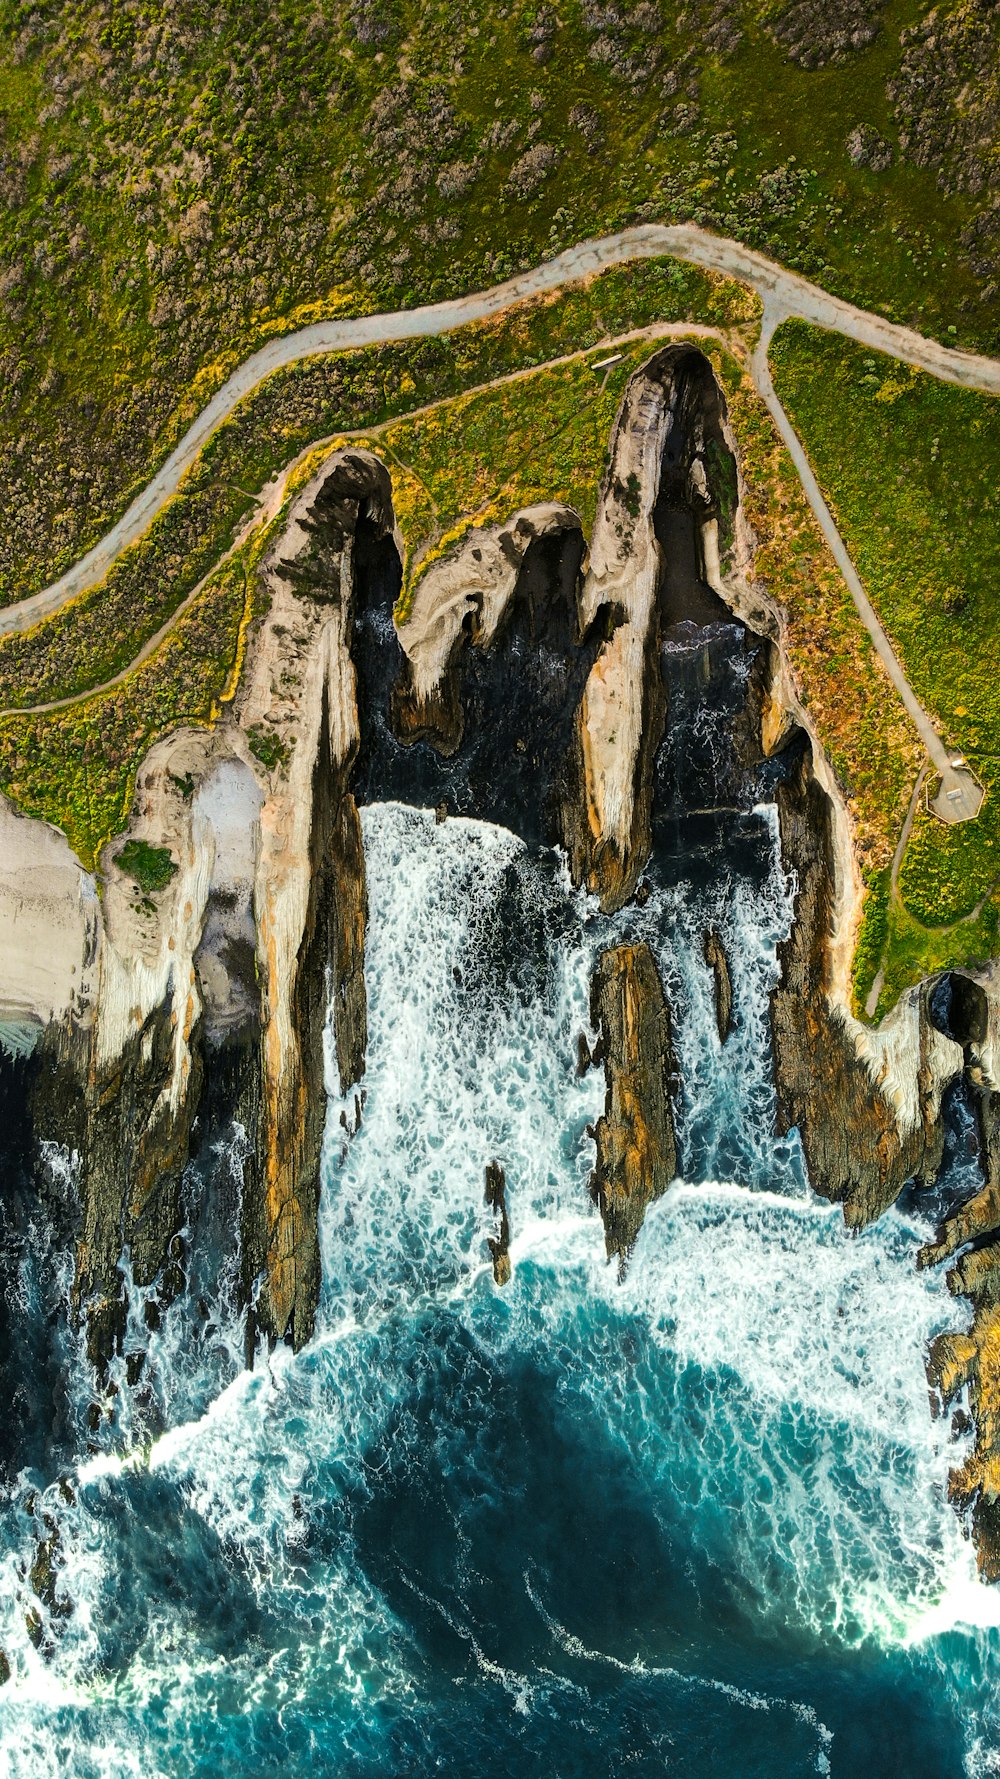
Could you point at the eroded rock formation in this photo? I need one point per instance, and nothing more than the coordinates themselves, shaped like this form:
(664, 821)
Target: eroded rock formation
(309, 887)
(969, 1361)
(722, 983)
(151, 1015)
(463, 600)
(499, 1242)
(222, 970)
(671, 423)
(636, 1147)
(867, 1104)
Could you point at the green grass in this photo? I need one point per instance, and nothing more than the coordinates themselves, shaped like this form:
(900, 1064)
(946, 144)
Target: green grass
(913, 951)
(477, 457)
(77, 767)
(97, 635)
(480, 458)
(180, 183)
(151, 867)
(864, 731)
(909, 467)
(267, 746)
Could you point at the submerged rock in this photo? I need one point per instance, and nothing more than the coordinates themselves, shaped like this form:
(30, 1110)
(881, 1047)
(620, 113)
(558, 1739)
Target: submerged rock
(636, 1147)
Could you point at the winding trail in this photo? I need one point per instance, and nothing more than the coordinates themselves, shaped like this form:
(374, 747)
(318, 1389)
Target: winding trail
(269, 499)
(784, 295)
(960, 796)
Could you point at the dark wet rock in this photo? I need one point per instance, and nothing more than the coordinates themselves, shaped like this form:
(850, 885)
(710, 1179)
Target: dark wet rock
(718, 963)
(971, 1360)
(499, 1244)
(958, 1361)
(436, 716)
(980, 1215)
(958, 1006)
(44, 1572)
(636, 1147)
(133, 1143)
(485, 726)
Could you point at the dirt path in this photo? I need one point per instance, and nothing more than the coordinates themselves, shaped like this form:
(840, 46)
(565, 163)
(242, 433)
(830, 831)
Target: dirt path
(269, 499)
(960, 796)
(784, 295)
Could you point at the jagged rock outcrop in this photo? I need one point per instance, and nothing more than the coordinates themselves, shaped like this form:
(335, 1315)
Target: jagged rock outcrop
(672, 421)
(499, 1243)
(149, 1002)
(636, 1146)
(462, 601)
(971, 1360)
(969, 1009)
(722, 983)
(309, 888)
(867, 1104)
(220, 965)
(120, 1076)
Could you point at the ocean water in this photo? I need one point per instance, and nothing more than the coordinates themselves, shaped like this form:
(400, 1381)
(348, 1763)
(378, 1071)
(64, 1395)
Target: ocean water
(694, 1523)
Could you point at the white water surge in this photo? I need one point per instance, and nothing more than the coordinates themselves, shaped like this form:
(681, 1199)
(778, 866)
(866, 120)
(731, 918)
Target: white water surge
(753, 1395)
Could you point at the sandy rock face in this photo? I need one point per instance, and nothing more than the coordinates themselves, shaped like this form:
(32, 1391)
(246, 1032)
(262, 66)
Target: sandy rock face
(671, 412)
(309, 891)
(49, 927)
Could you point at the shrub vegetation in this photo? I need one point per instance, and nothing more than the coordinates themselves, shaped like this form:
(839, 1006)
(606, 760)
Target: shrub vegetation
(908, 465)
(179, 181)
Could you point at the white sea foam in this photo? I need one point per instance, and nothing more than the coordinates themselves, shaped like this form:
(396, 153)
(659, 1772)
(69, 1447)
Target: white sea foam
(771, 1383)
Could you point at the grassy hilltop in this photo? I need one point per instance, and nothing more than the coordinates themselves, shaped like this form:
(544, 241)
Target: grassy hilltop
(178, 180)
(909, 466)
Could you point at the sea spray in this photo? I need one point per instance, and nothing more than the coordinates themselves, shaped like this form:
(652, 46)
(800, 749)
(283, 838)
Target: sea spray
(694, 1522)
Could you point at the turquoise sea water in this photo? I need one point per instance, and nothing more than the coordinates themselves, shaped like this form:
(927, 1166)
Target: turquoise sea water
(690, 1524)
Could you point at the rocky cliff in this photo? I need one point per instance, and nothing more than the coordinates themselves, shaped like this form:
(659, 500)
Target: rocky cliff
(634, 1137)
(527, 685)
(218, 964)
